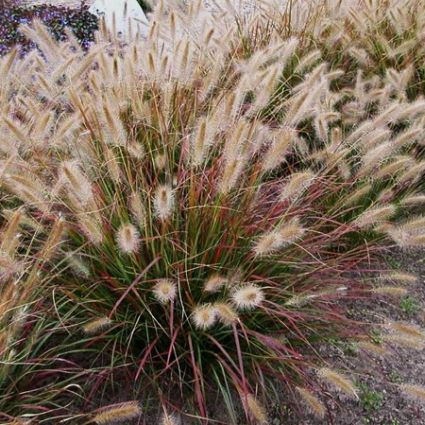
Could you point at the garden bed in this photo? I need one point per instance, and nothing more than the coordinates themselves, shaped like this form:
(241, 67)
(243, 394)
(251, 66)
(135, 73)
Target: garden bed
(79, 20)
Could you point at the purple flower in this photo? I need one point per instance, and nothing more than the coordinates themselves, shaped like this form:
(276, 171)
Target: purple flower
(56, 18)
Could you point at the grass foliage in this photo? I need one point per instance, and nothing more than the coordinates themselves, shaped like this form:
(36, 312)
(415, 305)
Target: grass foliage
(184, 216)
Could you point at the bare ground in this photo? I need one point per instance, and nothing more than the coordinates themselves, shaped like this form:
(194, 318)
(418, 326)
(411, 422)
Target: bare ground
(381, 402)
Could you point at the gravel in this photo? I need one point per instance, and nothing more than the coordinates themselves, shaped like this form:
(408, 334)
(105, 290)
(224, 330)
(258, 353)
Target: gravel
(381, 402)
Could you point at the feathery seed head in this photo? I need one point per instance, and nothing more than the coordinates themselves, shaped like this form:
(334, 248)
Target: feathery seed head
(297, 184)
(413, 200)
(118, 413)
(406, 329)
(91, 226)
(413, 173)
(214, 283)
(248, 296)
(375, 156)
(232, 173)
(338, 381)
(392, 291)
(374, 216)
(161, 162)
(78, 266)
(164, 202)
(398, 276)
(128, 238)
(398, 235)
(415, 392)
(19, 421)
(257, 411)
(282, 140)
(9, 238)
(225, 313)
(97, 325)
(267, 244)
(371, 347)
(137, 209)
(203, 138)
(417, 240)
(393, 168)
(312, 402)
(299, 300)
(406, 341)
(76, 181)
(291, 231)
(168, 419)
(136, 150)
(54, 240)
(204, 316)
(199, 142)
(165, 291)
(282, 236)
(359, 193)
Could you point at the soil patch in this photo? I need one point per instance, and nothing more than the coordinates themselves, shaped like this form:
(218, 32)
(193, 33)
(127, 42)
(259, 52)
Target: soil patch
(378, 377)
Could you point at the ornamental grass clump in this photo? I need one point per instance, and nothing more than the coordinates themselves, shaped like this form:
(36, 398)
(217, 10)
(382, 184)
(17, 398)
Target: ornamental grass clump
(195, 202)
